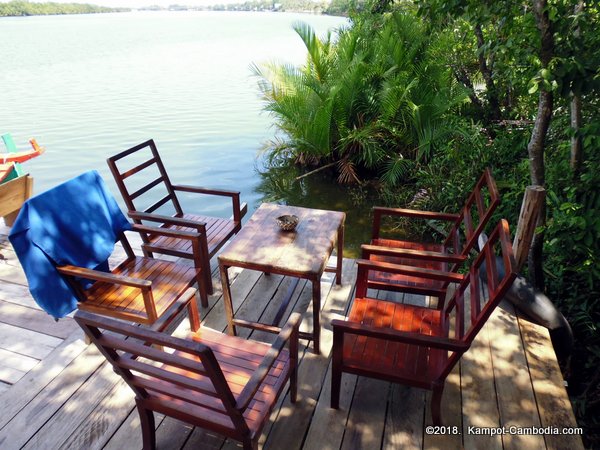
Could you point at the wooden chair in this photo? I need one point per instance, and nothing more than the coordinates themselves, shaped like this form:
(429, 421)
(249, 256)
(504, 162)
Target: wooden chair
(139, 289)
(214, 232)
(211, 380)
(64, 238)
(448, 255)
(414, 345)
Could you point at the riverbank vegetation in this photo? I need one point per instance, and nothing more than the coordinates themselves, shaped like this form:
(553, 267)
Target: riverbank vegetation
(419, 97)
(24, 8)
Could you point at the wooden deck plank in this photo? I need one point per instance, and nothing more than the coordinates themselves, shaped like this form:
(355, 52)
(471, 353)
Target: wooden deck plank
(451, 415)
(18, 294)
(294, 420)
(10, 269)
(514, 391)
(26, 342)
(129, 433)
(39, 377)
(35, 319)
(97, 428)
(366, 420)
(57, 432)
(405, 418)
(478, 389)
(16, 361)
(551, 396)
(327, 426)
(37, 411)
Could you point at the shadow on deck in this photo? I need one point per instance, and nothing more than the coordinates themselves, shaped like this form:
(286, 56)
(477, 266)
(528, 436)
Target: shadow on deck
(56, 392)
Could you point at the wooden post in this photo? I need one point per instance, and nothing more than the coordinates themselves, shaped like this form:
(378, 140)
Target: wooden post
(12, 194)
(528, 219)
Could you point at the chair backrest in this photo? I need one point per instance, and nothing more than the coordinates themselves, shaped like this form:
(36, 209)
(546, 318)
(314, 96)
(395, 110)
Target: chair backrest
(474, 215)
(182, 378)
(144, 161)
(490, 276)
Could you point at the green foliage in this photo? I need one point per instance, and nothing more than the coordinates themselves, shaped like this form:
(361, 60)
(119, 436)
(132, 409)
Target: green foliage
(377, 100)
(387, 100)
(24, 8)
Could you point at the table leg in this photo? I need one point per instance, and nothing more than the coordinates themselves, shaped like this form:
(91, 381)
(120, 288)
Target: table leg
(227, 299)
(340, 254)
(316, 289)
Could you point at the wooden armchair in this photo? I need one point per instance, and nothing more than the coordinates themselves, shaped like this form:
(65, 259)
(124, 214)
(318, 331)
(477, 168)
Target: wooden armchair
(414, 345)
(213, 231)
(211, 380)
(448, 255)
(64, 238)
(139, 289)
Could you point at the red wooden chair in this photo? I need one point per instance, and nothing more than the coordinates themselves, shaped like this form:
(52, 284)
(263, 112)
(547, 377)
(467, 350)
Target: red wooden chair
(214, 231)
(448, 255)
(139, 289)
(414, 345)
(221, 383)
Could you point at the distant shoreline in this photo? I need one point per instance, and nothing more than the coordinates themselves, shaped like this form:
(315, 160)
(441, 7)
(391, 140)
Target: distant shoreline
(27, 9)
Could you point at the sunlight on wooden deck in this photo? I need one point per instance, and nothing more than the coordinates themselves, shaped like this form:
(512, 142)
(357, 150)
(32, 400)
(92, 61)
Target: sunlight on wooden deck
(56, 392)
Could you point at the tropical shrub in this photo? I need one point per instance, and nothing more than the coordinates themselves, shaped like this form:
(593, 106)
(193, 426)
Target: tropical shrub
(377, 101)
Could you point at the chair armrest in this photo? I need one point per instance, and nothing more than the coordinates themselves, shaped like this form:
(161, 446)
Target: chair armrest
(379, 211)
(414, 213)
(239, 210)
(203, 190)
(422, 340)
(106, 277)
(368, 250)
(365, 265)
(179, 234)
(168, 220)
(289, 331)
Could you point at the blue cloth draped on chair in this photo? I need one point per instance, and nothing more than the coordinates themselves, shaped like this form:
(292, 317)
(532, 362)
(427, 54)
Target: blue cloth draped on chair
(78, 223)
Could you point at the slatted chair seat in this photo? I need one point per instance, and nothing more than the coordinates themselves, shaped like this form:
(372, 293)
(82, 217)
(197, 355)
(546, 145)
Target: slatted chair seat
(222, 383)
(147, 192)
(395, 359)
(168, 280)
(415, 345)
(218, 231)
(448, 255)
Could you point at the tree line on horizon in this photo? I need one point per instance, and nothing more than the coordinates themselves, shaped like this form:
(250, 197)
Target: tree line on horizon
(24, 8)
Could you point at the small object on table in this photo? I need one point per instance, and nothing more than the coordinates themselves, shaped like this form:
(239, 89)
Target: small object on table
(287, 222)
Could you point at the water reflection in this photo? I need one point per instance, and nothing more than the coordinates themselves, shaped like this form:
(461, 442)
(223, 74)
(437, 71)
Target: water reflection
(280, 184)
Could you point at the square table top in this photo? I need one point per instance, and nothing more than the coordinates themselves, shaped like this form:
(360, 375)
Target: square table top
(262, 245)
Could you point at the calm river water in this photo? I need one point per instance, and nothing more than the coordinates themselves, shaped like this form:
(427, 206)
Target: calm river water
(90, 86)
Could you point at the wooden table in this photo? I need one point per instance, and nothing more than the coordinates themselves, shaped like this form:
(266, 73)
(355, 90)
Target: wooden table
(302, 253)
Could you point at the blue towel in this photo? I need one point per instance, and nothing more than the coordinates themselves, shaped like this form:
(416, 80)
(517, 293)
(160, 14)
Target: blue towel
(77, 223)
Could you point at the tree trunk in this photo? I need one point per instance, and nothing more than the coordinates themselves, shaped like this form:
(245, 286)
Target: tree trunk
(486, 72)
(535, 148)
(576, 144)
(463, 77)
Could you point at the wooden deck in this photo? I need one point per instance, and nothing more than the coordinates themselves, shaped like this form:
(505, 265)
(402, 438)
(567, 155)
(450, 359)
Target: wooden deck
(56, 392)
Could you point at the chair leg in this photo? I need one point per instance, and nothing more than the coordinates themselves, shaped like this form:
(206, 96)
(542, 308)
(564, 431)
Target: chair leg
(202, 291)
(336, 368)
(441, 300)
(148, 426)
(249, 444)
(436, 404)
